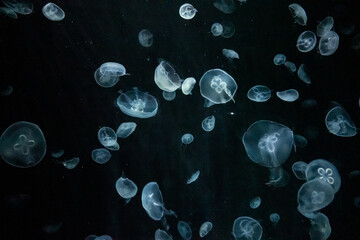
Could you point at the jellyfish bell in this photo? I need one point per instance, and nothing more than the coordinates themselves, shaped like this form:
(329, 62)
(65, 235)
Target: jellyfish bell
(289, 95)
(279, 59)
(188, 85)
(298, 13)
(187, 11)
(306, 41)
(339, 123)
(205, 228)
(320, 227)
(208, 123)
(113, 69)
(247, 228)
(303, 74)
(146, 38)
(53, 12)
(290, 65)
(107, 136)
(184, 230)
(23, 7)
(228, 29)
(166, 78)
(225, 6)
(324, 26)
(162, 235)
(105, 80)
(230, 54)
(169, 96)
(125, 129)
(299, 169)
(217, 29)
(126, 188)
(328, 43)
(259, 93)
(255, 202)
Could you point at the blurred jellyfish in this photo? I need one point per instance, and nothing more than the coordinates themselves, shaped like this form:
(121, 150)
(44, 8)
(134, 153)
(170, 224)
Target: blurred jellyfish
(255, 202)
(300, 141)
(308, 103)
(71, 163)
(100, 155)
(289, 95)
(216, 29)
(320, 227)
(58, 153)
(107, 136)
(9, 13)
(126, 188)
(205, 228)
(298, 13)
(187, 138)
(357, 201)
(103, 237)
(208, 123)
(306, 41)
(184, 230)
(23, 7)
(169, 96)
(125, 129)
(162, 235)
(53, 12)
(193, 177)
(303, 74)
(299, 169)
(228, 29)
(338, 122)
(166, 78)
(274, 218)
(230, 54)
(328, 43)
(324, 26)
(259, 93)
(52, 227)
(279, 59)
(188, 85)
(225, 6)
(290, 65)
(246, 228)
(187, 11)
(146, 38)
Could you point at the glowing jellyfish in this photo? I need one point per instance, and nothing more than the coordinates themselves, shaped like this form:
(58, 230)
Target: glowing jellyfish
(107, 136)
(246, 228)
(300, 141)
(289, 95)
(303, 74)
(146, 38)
(193, 177)
(290, 65)
(22, 145)
(216, 29)
(328, 43)
(187, 138)
(230, 54)
(255, 202)
(228, 29)
(338, 122)
(299, 169)
(166, 78)
(298, 13)
(8, 12)
(279, 59)
(306, 41)
(169, 96)
(162, 235)
(53, 12)
(58, 153)
(217, 86)
(274, 218)
(184, 230)
(187, 11)
(23, 7)
(208, 123)
(205, 228)
(320, 227)
(125, 129)
(188, 85)
(225, 6)
(113, 69)
(324, 26)
(71, 163)
(259, 93)
(100, 155)
(137, 104)
(126, 188)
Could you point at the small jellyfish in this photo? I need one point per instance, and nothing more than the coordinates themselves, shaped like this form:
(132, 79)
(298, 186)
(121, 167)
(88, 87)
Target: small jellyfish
(193, 177)
(247, 228)
(290, 65)
(228, 29)
(216, 29)
(187, 11)
(162, 235)
(58, 153)
(23, 7)
(100, 155)
(274, 218)
(125, 129)
(300, 141)
(279, 59)
(112, 69)
(146, 38)
(255, 202)
(225, 6)
(299, 169)
(105, 80)
(298, 13)
(166, 78)
(187, 138)
(71, 163)
(303, 74)
(306, 41)
(205, 228)
(259, 93)
(107, 136)
(308, 103)
(230, 54)
(320, 227)
(208, 123)
(8, 12)
(188, 85)
(357, 201)
(289, 95)
(338, 122)
(53, 12)
(169, 96)
(324, 26)
(328, 43)
(184, 230)
(126, 188)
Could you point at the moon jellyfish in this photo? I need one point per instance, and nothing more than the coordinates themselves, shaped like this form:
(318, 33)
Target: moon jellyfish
(57, 154)
(320, 227)
(184, 230)
(8, 12)
(303, 74)
(246, 228)
(71, 163)
(208, 123)
(216, 29)
(306, 41)
(225, 6)
(289, 95)
(259, 93)
(107, 136)
(193, 177)
(255, 202)
(187, 138)
(126, 188)
(205, 228)
(22, 144)
(328, 43)
(53, 12)
(166, 78)
(290, 65)
(23, 7)
(228, 29)
(146, 38)
(103, 237)
(230, 54)
(107, 75)
(274, 218)
(338, 122)
(137, 104)
(279, 59)
(218, 86)
(324, 26)
(300, 141)
(187, 11)
(125, 129)
(299, 169)
(169, 96)
(162, 235)
(188, 85)
(100, 155)
(298, 13)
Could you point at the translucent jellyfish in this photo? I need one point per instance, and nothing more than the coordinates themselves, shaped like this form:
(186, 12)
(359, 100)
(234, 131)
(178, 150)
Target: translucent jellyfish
(298, 13)
(53, 12)
(23, 7)
(103, 237)
(357, 202)
(274, 218)
(169, 96)
(289, 95)
(259, 93)
(218, 86)
(137, 104)
(162, 235)
(205, 228)
(300, 141)
(125, 129)
(324, 26)
(100, 155)
(187, 138)
(107, 75)
(325, 171)
(320, 227)
(146, 38)
(187, 11)
(71, 163)
(184, 230)
(309, 103)
(166, 78)
(230, 54)
(225, 6)
(8, 12)
(208, 123)
(290, 65)
(228, 29)
(328, 43)
(255, 202)
(107, 136)
(58, 153)
(279, 59)
(22, 144)
(338, 122)
(246, 228)
(126, 188)
(303, 74)
(216, 29)
(299, 169)
(306, 41)
(354, 173)
(53, 227)
(193, 177)
(188, 85)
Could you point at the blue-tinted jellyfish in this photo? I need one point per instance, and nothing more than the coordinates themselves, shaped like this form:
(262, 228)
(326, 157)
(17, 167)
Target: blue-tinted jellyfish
(225, 6)
(126, 188)
(112, 69)
(298, 13)
(125, 129)
(53, 12)
(216, 29)
(169, 96)
(23, 7)
(338, 122)
(255, 202)
(278, 177)
(187, 138)
(324, 26)
(299, 169)
(146, 38)
(218, 86)
(308, 103)
(9, 13)
(100, 155)
(184, 230)
(205, 228)
(103, 237)
(328, 43)
(71, 163)
(246, 228)
(274, 218)
(166, 78)
(320, 227)
(289, 95)
(137, 104)
(188, 85)
(290, 66)
(22, 144)
(300, 141)
(259, 93)
(187, 11)
(162, 235)
(306, 41)
(52, 227)
(107, 136)
(208, 124)
(228, 29)
(58, 153)
(105, 80)
(303, 74)
(230, 54)
(193, 177)
(279, 59)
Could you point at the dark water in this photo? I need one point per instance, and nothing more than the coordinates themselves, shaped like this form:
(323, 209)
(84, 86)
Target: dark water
(51, 64)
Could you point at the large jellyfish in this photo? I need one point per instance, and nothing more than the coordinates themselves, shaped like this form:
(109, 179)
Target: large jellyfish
(246, 228)
(53, 12)
(187, 138)
(338, 122)
(126, 188)
(298, 13)
(166, 78)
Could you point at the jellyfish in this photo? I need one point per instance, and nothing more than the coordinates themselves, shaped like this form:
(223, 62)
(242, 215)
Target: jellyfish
(22, 144)
(308, 103)
(357, 201)
(279, 59)
(289, 95)
(187, 11)
(166, 78)
(8, 12)
(324, 26)
(259, 93)
(299, 169)
(125, 129)
(107, 136)
(300, 141)
(298, 13)
(126, 188)
(53, 12)
(113, 69)
(162, 235)
(71, 163)
(328, 43)
(184, 230)
(338, 122)
(52, 227)
(23, 7)
(58, 153)
(169, 96)
(320, 227)
(187, 138)
(228, 29)
(188, 85)
(290, 65)
(306, 41)
(137, 104)
(303, 74)
(225, 6)
(255, 202)
(208, 123)
(107, 78)
(205, 228)
(103, 237)
(100, 155)
(216, 29)
(146, 38)
(274, 218)
(193, 177)
(218, 86)
(230, 54)
(246, 228)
